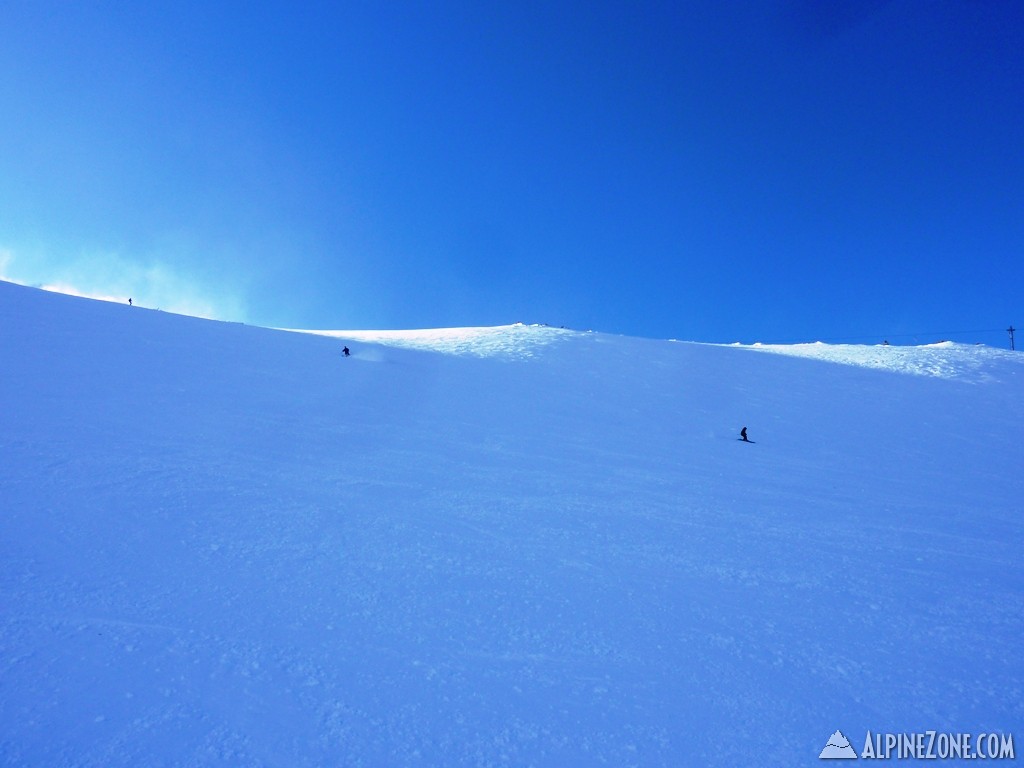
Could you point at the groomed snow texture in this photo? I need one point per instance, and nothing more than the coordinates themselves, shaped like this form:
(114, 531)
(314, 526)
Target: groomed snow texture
(520, 546)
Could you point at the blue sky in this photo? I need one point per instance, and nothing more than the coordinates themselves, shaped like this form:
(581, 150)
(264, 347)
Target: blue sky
(715, 171)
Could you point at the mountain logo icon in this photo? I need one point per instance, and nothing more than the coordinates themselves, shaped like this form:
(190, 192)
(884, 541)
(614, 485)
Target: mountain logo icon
(838, 748)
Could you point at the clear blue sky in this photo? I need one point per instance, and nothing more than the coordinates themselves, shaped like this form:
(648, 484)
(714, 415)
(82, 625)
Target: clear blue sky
(716, 171)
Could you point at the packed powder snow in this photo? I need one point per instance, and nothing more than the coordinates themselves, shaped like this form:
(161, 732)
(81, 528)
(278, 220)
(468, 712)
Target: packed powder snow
(227, 545)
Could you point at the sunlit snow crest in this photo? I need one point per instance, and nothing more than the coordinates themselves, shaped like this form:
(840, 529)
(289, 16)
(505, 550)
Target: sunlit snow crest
(514, 341)
(945, 359)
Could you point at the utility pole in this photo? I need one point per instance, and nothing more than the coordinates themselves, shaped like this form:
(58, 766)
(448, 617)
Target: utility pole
(1010, 331)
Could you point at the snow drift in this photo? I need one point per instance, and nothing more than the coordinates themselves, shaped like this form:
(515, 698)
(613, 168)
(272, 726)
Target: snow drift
(524, 546)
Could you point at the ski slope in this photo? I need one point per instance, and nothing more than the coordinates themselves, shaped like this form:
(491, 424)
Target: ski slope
(518, 546)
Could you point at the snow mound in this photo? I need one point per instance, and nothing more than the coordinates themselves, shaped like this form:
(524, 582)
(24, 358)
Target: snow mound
(945, 359)
(518, 341)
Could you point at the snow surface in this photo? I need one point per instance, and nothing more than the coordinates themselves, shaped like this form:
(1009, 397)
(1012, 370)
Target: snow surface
(944, 359)
(508, 341)
(227, 545)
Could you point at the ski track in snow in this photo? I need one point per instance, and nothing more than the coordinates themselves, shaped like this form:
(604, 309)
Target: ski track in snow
(225, 545)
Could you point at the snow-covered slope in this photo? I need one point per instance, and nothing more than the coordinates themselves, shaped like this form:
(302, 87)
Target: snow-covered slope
(507, 341)
(226, 545)
(967, 362)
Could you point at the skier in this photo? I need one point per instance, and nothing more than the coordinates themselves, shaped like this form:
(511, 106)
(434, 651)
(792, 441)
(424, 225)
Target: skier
(345, 352)
(743, 435)
(129, 302)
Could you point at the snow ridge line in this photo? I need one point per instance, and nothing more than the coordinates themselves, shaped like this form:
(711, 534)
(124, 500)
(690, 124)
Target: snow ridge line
(518, 341)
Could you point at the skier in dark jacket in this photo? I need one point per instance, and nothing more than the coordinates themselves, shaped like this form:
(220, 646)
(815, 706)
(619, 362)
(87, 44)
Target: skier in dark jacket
(345, 352)
(743, 435)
